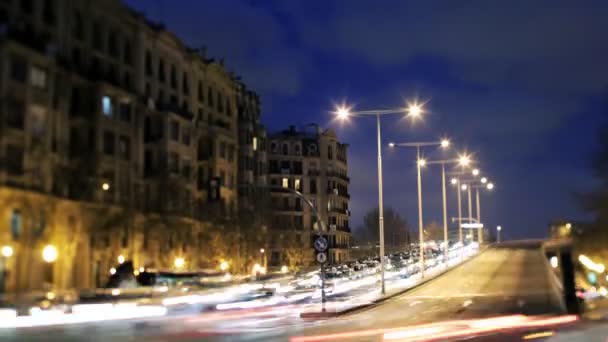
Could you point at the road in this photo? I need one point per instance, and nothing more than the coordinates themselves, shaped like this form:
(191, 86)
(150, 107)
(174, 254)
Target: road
(500, 281)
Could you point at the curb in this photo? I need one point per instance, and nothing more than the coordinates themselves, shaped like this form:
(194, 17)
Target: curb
(332, 314)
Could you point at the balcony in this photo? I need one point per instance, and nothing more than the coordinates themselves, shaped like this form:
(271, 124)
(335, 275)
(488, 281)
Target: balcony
(338, 175)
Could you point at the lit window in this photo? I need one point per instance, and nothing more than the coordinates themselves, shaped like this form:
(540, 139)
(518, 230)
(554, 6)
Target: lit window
(285, 183)
(106, 105)
(297, 184)
(38, 77)
(255, 143)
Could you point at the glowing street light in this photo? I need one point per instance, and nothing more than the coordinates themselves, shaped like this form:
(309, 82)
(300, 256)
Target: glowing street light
(464, 187)
(343, 113)
(262, 250)
(422, 162)
(224, 265)
(454, 181)
(445, 143)
(121, 259)
(179, 262)
(464, 160)
(484, 180)
(112, 271)
(413, 110)
(256, 268)
(490, 186)
(7, 251)
(475, 172)
(105, 186)
(284, 269)
(49, 253)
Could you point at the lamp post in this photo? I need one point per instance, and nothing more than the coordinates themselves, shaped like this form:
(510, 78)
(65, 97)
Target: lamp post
(463, 161)
(498, 229)
(420, 162)
(413, 110)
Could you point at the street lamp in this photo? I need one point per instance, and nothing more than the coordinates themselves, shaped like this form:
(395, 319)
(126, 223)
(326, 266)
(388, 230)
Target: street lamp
(462, 161)
(420, 162)
(475, 172)
(224, 266)
(498, 229)
(413, 110)
(179, 262)
(49, 253)
(105, 186)
(7, 251)
(490, 186)
(121, 259)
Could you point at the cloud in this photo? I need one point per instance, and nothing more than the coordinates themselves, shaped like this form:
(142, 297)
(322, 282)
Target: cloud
(249, 37)
(541, 45)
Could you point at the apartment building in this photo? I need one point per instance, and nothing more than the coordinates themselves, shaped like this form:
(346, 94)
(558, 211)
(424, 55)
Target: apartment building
(116, 139)
(313, 162)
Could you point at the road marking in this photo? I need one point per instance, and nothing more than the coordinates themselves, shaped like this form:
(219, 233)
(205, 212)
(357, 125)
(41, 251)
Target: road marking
(416, 302)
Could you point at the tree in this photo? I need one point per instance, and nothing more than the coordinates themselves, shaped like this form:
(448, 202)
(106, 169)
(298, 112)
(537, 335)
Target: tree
(594, 238)
(396, 229)
(433, 231)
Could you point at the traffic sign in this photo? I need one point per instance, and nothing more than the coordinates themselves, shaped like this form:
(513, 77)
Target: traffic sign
(321, 257)
(320, 244)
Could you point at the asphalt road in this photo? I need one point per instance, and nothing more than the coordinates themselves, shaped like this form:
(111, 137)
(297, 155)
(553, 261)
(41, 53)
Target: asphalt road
(500, 281)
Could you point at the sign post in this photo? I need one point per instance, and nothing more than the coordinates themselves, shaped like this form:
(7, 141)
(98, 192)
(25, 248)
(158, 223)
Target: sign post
(320, 244)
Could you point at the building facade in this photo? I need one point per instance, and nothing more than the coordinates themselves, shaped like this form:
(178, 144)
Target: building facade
(116, 139)
(314, 163)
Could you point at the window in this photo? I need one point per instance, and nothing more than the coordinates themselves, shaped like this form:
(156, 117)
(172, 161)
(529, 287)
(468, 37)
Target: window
(297, 184)
(27, 6)
(126, 53)
(312, 149)
(37, 118)
(173, 162)
(255, 143)
(173, 77)
(228, 109)
(273, 147)
(174, 130)
(185, 85)
(186, 168)
(223, 178)
(77, 27)
(48, 12)
(285, 149)
(223, 150)
(296, 149)
(231, 181)
(18, 69)
(14, 160)
(108, 143)
(285, 182)
(124, 147)
(186, 136)
(14, 114)
(210, 96)
(149, 69)
(96, 36)
(313, 186)
(124, 112)
(16, 224)
(220, 102)
(161, 71)
(230, 153)
(107, 106)
(113, 44)
(330, 152)
(201, 96)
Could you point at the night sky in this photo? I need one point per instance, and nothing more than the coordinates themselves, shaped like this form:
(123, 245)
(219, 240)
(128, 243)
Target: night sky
(522, 84)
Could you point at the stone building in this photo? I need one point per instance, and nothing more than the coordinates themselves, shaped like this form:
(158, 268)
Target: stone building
(314, 163)
(116, 139)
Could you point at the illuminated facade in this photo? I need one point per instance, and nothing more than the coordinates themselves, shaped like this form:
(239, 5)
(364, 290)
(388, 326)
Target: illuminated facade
(314, 163)
(115, 139)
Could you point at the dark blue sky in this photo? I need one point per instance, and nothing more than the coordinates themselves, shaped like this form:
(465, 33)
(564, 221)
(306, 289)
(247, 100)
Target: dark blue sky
(522, 84)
